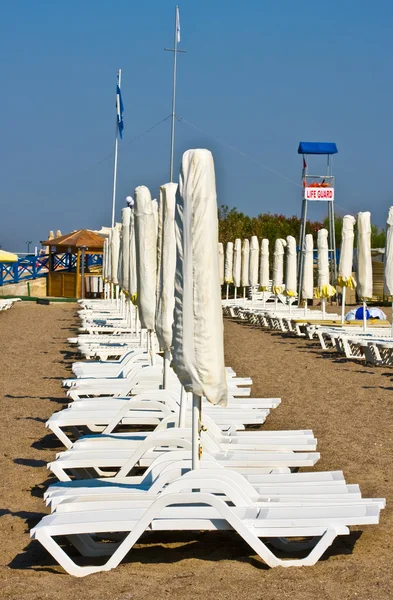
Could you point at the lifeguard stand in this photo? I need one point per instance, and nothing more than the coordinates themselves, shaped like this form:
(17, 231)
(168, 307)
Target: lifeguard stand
(317, 188)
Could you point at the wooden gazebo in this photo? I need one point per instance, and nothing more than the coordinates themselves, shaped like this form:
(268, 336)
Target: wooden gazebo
(70, 257)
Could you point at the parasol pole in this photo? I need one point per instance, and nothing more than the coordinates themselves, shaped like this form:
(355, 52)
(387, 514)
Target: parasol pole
(196, 431)
(343, 304)
(364, 315)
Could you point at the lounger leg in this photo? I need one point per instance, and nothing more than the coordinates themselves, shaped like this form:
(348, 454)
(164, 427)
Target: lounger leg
(59, 433)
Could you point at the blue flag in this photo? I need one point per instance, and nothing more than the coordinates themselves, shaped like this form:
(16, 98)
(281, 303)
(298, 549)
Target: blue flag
(119, 109)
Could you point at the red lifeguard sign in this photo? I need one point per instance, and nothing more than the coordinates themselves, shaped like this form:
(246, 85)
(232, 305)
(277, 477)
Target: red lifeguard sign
(319, 193)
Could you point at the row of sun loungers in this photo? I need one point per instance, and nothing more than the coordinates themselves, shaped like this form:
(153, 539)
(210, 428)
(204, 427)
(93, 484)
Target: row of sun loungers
(7, 303)
(157, 446)
(375, 345)
(247, 481)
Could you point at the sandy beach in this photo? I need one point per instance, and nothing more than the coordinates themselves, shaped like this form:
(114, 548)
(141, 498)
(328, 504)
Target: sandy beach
(347, 404)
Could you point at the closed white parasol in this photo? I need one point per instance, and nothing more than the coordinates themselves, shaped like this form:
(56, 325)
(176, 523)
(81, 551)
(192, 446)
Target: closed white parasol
(198, 350)
(264, 275)
(308, 269)
(245, 273)
(132, 279)
(115, 249)
(365, 269)
(345, 278)
(254, 261)
(388, 276)
(237, 264)
(146, 259)
(125, 245)
(228, 268)
(325, 289)
(291, 272)
(278, 267)
(221, 262)
(166, 267)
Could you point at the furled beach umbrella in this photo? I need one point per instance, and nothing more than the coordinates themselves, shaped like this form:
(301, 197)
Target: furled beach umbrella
(198, 358)
(308, 270)
(264, 278)
(132, 281)
(58, 233)
(146, 260)
(104, 273)
(345, 278)
(125, 237)
(245, 273)
(109, 261)
(365, 269)
(154, 205)
(115, 247)
(51, 235)
(254, 261)
(388, 275)
(278, 267)
(228, 267)
(166, 267)
(237, 264)
(324, 290)
(221, 261)
(291, 271)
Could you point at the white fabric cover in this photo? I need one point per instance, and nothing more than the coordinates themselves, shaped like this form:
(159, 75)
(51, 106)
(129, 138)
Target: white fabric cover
(198, 349)
(166, 265)
(389, 254)
(254, 260)
(154, 205)
(346, 254)
(109, 258)
(291, 272)
(278, 266)
(323, 258)
(104, 260)
(237, 262)
(308, 268)
(146, 256)
(115, 248)
(245, 273)
(221, 260)
(228, 268)
(264, 276)
(132, 281)
(365, 269)
(125, 245)
(325, 289)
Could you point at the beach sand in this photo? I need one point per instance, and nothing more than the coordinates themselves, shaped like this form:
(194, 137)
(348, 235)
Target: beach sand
(347, 404)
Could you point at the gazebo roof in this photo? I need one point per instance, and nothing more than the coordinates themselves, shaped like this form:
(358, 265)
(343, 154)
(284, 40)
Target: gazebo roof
(77, 239)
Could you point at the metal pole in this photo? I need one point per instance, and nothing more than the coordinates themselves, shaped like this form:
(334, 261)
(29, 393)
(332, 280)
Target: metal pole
(115, 162)
(173, 99)
(196, 431)
(166, 373)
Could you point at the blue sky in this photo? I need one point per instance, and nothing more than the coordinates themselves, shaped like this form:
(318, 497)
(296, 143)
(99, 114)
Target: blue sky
(258, 77)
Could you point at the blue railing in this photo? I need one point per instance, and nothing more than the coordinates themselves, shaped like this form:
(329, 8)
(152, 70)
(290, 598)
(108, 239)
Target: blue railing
(32, 267)
(28, 267)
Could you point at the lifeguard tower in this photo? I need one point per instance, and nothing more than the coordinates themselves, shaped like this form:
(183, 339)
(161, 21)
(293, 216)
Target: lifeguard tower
(317, 188)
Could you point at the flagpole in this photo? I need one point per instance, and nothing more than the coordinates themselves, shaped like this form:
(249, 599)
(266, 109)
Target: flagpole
(174, 96)
(115, 160)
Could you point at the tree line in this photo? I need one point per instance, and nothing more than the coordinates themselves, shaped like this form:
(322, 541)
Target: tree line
(234, 224)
